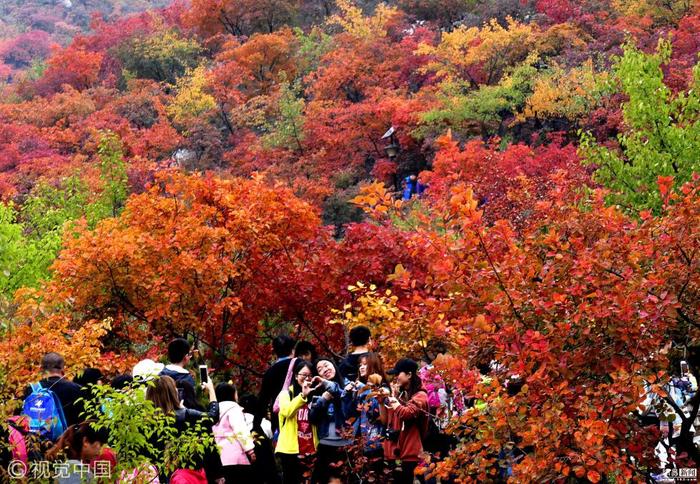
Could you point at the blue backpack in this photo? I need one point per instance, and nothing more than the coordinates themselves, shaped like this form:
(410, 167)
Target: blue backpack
(45, 413)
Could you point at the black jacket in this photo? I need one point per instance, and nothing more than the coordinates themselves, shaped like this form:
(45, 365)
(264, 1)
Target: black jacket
(272, 384)
(188, 416)
(177, 376)
(349, 366)
(184, 417)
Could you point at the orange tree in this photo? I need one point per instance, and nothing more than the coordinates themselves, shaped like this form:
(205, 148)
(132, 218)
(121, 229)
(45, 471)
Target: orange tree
(191, 255)
(31, 334)
(227, 262)
(577, 309)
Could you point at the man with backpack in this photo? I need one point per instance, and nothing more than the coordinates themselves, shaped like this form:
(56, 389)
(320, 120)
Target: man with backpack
(51, 405)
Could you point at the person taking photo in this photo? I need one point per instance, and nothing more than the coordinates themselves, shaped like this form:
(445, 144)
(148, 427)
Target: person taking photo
(404, 413)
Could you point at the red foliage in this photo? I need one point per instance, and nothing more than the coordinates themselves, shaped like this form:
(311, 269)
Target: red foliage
(74, 66)
(25, 155)
(558, 10)
(686, 45)
(23, 49)
(506, 183)
(580, 276)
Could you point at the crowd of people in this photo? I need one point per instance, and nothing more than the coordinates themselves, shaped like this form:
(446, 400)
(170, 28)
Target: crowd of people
(315, 419)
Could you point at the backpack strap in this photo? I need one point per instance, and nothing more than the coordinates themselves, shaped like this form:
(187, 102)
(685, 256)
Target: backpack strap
(290, 371)
(54, 383)
(221, 417)
(61, 413)
(18, 428)
(290, 391)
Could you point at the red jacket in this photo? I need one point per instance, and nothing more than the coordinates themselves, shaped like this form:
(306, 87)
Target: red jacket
(411, 418)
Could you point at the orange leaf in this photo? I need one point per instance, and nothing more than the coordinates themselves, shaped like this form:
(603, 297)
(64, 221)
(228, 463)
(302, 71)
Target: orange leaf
(593, 476)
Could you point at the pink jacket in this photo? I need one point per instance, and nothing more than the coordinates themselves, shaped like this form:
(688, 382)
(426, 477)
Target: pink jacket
(18, 445)
(232, 435)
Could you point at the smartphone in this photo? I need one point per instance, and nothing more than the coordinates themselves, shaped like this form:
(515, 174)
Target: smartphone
(684, 367)
(203, 373)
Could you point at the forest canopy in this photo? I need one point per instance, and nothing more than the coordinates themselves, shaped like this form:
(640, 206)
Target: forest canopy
(227, 170)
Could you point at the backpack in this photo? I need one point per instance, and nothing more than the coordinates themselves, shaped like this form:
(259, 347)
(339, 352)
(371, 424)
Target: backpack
(24, 445)
(189, 476)
(45, 413)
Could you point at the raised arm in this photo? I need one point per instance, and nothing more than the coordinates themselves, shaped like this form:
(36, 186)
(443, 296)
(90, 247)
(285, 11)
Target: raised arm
(414, 408)
(289, 406)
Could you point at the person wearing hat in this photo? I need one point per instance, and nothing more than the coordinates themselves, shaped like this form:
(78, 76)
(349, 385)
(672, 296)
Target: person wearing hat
(405, 416)
(146, 370)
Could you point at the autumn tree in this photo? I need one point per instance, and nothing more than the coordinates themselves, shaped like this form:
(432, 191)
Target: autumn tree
(661, 138)
(670, 11)
(25, 48)
(577, 279)
(569, 94)
(25, 339)
(240, 17)
(263, 61)
(185, 257)
(483, 111)
(480, 55)
(192, 99)
(73, 66)
(162, 56)
(353, 21)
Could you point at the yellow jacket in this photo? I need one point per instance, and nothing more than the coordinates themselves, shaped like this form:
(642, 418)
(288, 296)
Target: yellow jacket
(288, 440)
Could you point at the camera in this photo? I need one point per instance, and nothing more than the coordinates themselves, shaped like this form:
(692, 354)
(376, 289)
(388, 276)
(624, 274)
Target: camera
(391, 434)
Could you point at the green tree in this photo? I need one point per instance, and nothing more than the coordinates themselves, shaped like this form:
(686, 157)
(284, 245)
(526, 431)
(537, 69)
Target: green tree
(479, 111)
(21, 259)
(163, 56)
(662, 138)
(286, 129)
(312, 47)
(141, 434)
(49, 206)
(114, 179)
(31, 237)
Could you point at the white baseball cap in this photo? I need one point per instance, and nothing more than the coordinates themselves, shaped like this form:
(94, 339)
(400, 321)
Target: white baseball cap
(147, 369)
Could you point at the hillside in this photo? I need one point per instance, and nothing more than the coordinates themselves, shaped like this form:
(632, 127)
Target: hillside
(29, 28)
(518, 178)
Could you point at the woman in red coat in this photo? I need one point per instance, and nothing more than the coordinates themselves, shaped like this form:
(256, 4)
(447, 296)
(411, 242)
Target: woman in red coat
(405, 415)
